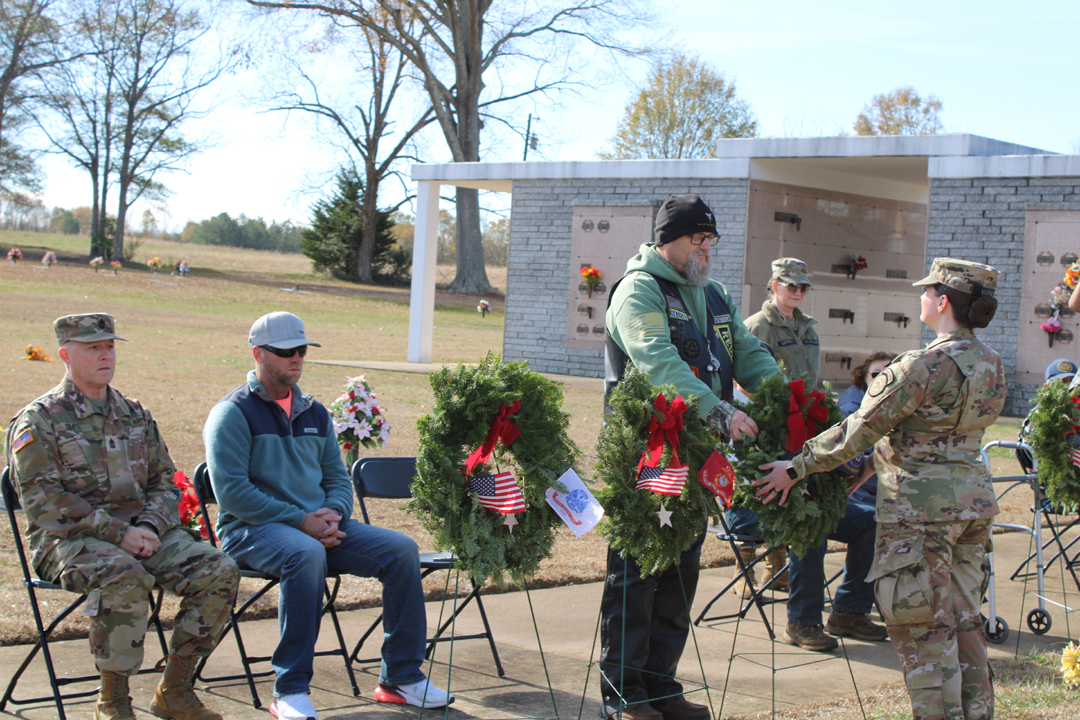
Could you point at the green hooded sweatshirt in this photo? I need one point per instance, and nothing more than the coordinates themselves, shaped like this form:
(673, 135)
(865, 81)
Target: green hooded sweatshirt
(637, 320)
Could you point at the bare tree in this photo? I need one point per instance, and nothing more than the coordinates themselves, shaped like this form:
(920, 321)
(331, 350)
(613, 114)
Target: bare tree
(364, 127)
(459, 43)
(81, 97)
(30, 42)
(157, 78)
(118, 114)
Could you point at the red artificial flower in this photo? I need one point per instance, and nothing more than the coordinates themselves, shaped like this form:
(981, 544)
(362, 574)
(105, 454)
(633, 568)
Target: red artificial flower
(347, 446)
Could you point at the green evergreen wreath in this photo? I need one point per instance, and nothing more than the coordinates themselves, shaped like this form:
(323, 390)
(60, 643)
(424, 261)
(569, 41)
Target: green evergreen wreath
(631, 523)
(806, 518)
(467, 399)
(1053, 426)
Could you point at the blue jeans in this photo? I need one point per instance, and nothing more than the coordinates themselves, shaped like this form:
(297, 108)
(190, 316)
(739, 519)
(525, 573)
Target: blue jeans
(807, 585)
(302, 562)
(806, 599)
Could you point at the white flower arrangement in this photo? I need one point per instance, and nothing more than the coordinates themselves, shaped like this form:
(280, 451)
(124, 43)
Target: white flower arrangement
(357, 417)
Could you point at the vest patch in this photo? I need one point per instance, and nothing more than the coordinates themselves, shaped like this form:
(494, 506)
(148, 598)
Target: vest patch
(725, 335)
(721, 319)
(311, 430)
(785, 343)
(810, 341)
(678, 314)
(691, 348)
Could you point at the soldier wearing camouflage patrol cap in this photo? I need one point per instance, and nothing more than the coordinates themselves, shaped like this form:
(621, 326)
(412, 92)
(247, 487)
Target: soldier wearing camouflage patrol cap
(927, 413)
(96, 481)
(790, 333)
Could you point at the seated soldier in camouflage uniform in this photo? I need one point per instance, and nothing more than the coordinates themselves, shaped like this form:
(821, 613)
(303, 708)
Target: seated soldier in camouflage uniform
(96, 481)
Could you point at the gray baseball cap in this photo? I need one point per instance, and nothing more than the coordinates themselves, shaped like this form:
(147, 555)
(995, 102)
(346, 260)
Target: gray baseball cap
(280, 330)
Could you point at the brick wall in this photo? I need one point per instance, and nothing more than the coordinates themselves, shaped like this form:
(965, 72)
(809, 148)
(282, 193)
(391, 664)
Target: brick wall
(982, 219)
(540, 229)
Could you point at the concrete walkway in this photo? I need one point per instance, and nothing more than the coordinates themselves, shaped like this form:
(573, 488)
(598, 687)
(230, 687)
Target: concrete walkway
(744, 671)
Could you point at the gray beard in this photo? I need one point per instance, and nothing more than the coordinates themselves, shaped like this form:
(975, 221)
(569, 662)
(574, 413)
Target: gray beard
(697, 273)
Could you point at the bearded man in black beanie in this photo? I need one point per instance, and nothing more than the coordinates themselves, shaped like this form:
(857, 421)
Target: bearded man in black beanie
(668, 318)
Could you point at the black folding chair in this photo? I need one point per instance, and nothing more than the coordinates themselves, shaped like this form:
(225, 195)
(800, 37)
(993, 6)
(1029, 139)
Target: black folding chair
(205, 492)
(391, 478)
(12, 504)
(745, 573)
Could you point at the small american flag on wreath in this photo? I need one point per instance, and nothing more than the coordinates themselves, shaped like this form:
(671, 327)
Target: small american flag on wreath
(664, 481)
(498, 492)
(1074, 444)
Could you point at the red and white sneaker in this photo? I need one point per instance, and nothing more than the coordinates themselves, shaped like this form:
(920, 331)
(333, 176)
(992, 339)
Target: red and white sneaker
(293, 707)
(419, 694)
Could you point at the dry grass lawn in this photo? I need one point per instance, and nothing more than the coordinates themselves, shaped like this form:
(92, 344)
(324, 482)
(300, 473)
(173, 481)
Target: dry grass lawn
(1028, 688)
(188, 348)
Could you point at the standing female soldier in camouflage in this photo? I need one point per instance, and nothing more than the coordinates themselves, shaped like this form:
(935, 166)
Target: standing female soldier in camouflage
(927, 413)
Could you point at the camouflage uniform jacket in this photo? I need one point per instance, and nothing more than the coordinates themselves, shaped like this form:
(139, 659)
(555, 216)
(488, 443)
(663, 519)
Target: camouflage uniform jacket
(799, 349)
(929, 409)
(81, 473)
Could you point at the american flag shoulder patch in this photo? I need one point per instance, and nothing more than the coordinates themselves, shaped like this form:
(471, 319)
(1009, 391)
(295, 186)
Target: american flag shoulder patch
(22, 441)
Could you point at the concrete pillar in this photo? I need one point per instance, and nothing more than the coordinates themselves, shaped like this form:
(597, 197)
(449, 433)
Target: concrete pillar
(425, 256)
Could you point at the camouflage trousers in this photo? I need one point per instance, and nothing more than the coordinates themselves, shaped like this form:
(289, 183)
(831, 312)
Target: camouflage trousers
(931, 578)
(118, 588)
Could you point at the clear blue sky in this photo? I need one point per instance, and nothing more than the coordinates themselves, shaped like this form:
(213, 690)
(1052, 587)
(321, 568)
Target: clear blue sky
(1005, 70)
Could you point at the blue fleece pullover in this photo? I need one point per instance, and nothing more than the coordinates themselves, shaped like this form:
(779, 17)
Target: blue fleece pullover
(266, 467)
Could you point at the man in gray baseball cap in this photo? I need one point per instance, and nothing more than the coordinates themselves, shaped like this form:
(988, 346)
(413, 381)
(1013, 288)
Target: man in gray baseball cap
(280, 330)
(286, 501)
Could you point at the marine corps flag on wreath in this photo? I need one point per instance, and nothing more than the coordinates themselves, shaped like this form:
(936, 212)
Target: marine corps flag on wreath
(718, 475)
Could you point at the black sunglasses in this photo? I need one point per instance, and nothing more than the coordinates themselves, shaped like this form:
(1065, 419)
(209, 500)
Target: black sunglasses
(285, 353)
(797, 287)
(698, 238)
(874, 374)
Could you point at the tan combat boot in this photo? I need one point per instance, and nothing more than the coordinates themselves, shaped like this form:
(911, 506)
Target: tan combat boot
(746, 552)
(114, 702)
(774, 562)
(175, 698)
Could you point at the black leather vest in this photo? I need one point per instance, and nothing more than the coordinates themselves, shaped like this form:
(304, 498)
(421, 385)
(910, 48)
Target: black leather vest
(714, 353)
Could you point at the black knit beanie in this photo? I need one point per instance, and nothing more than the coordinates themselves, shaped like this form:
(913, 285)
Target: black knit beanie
(682, 215)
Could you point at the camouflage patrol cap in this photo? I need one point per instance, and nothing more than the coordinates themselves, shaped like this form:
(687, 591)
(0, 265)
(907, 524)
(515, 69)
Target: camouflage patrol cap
(791, 270)
(89, 327)
(963, 275)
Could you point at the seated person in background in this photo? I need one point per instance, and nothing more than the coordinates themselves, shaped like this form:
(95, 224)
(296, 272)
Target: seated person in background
(96, 481)
(286, 500)
(861, 376)
(865, 480)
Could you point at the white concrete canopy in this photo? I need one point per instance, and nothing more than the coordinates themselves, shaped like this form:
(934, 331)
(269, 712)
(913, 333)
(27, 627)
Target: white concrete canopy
(896, 167)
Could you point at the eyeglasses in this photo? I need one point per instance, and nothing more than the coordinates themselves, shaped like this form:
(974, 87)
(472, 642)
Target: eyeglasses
(285, 353)
(698, 238)
(801, 287)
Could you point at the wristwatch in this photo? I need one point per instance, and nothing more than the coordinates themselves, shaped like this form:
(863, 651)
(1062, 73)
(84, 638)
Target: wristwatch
(791, 473)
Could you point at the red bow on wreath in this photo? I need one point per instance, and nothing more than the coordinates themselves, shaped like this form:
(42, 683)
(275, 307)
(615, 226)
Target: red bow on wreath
(803, 415)
(667, 428)
(501, 428)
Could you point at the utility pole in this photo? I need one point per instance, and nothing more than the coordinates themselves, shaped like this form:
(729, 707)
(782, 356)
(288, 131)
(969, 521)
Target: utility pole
(530, 139)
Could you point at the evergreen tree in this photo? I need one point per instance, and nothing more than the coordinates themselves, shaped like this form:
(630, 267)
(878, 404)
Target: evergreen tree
(333, 242)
